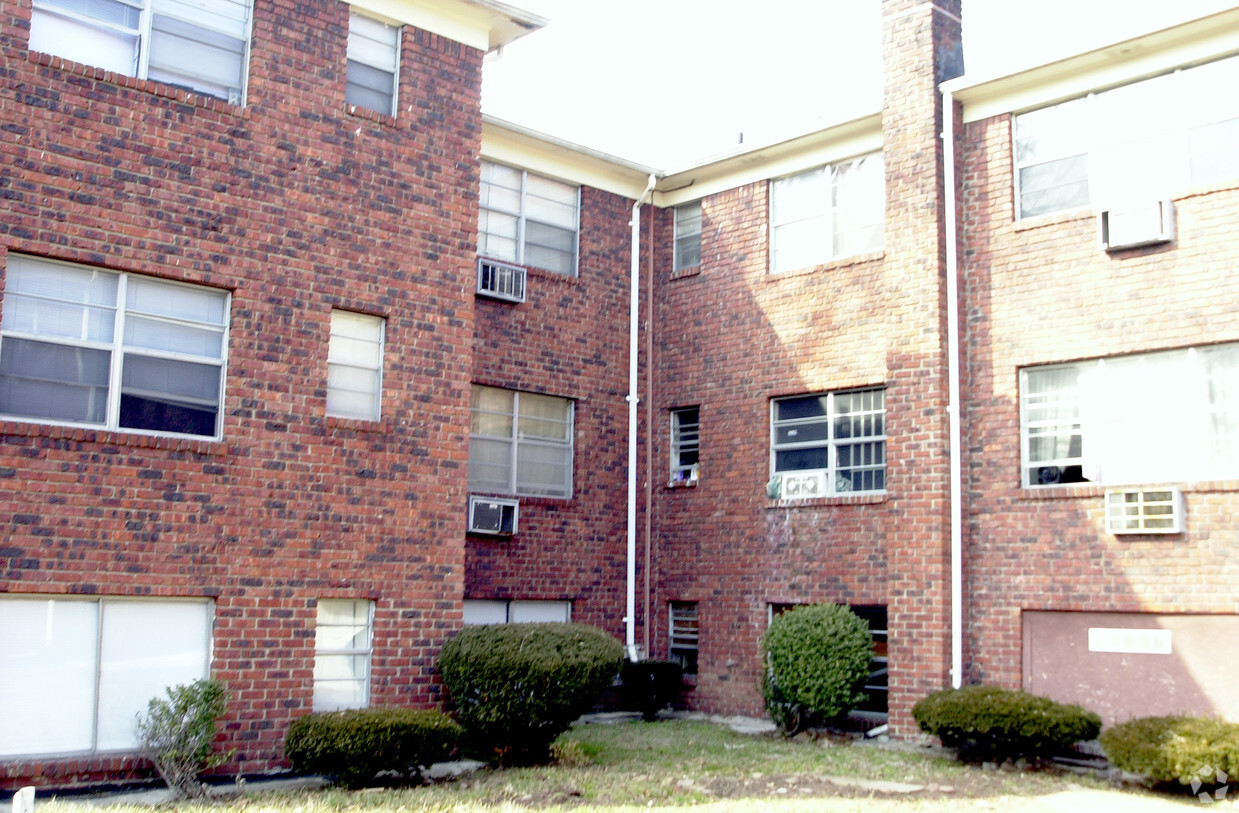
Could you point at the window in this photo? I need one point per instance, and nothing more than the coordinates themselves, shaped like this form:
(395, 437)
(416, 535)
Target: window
(75, 672)
(202, 46)
(832, 211)
(1141, 142)
(355, 366)
(373, 64)
(838, 438)
(683, 635)
(527, 219)
(687, 236)
(684, 446)
(528, 611)
(343, 638)
(876, 684)
(119, 351)
(1147, 418)
(520, 443)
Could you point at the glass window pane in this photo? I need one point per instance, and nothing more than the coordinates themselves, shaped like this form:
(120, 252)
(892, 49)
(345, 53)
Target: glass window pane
(47, 675)
(490, 465)
(527, 612)
(160, 395)
(371, 88)
(82, 40)
(53, 381)
(480, 611)
(197, 58)
(145, 648)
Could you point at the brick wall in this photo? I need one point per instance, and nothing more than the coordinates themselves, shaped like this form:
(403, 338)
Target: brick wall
(733, 336)
(295, 206)
(568, 339)
(1038, 291)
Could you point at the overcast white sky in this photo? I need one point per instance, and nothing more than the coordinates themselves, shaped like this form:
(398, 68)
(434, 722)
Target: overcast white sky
(664, 82)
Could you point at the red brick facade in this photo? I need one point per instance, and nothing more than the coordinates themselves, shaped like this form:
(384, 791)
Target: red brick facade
(296, 205)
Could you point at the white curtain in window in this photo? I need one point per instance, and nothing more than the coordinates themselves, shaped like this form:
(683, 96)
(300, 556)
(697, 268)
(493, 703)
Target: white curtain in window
(529, 612)
(482, 611)
(69, 30)
(47, 675)
(146, 647)
(354, 365)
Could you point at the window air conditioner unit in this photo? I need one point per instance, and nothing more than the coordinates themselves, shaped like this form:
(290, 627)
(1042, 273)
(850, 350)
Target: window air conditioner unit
(498, 280)
(1137, 225)
(1144, 511)
(492, 516)
(804, 486)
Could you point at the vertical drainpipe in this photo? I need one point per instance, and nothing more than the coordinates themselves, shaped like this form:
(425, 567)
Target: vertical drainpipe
(634, 307)
(953, 362)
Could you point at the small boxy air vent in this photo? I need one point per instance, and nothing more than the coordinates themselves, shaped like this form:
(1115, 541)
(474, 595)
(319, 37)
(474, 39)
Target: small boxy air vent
(1144, 511)
(500, 280)
(492, 516)
(1137, 225)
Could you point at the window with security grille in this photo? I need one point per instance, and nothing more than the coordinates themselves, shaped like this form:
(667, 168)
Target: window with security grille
(685, 445)
(838, 439)
(202, 46)
(527, 219)
(683, 635)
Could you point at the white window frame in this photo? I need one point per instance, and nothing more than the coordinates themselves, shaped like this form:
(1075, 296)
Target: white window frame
(123, 319)
(360, 653)
(515, 611)
(838, 478)
(1156, 417)
(688, 236)
(809, 222)
(523, 215)
(368, 47)
(518, 443)
(355, 356)
(121, 682)
(684, 634)
(1137, 143)
(685, 442)
(178, 32)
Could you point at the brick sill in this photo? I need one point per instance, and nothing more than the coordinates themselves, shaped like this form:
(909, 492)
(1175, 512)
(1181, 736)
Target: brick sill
(108, 437)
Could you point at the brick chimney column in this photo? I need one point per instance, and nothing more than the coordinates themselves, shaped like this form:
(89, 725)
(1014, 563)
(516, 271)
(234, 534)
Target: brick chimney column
(921, 47)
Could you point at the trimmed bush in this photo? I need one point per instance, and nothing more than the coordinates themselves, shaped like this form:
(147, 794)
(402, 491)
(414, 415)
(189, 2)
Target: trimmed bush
(1179, 748)
(817, 659)
(986, 722)
(177, 733)
(354, 746)
(650, 685)
(517, 687)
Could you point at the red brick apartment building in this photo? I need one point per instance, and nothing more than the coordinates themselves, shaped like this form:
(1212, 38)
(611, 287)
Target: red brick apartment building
(304, 363)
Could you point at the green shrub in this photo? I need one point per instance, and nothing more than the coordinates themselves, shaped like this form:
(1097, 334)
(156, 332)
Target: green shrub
(177, 733)
(651, 684)
(1179, 749)
(986, 722)
(817, 659)
(356, 745)
(519, 686)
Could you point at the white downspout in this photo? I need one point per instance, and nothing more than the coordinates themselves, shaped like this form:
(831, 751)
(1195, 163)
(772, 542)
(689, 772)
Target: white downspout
(634, 308)
(953, 410)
